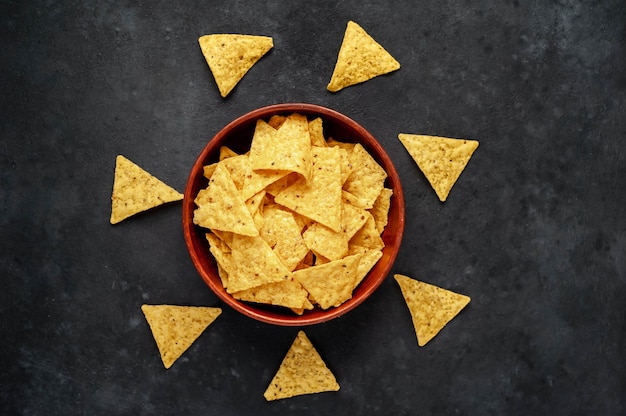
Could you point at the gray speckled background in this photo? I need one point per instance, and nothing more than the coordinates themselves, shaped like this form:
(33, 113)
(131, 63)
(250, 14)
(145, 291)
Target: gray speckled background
(534, 231)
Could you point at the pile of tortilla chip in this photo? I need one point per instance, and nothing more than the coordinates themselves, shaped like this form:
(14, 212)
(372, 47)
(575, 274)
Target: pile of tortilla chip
(297, 220)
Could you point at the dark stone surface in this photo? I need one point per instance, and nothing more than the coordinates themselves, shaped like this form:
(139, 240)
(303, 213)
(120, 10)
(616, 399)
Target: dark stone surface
(534, 231)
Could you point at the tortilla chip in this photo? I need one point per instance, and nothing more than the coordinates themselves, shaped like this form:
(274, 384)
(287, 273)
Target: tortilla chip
(222, 254)
(288, 293)
(367, 179)
(238, 166)
(230, 56)
(302, 371)
(135, 191)
(380, 210)
(316, 131)
(207, 171)
(266, 267)
(368, 261)
(323, 241)
(431, 307)
(276, 120)
(360, 59)
(175, 328)
(320, 199)
(221, 207)
(286, 149)
(226, 152)
(282, 233)
(368, 236)
(441, 159)
(330, 284)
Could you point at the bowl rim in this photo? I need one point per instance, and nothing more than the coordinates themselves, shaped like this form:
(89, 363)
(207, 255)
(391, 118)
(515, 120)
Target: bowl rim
(316, 316)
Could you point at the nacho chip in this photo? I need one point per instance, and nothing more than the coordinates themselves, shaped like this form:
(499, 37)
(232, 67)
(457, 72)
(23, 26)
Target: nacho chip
(360, 59)
(316, 131)
(281, 184)
(238, 167)
(441, 159)
(325, 242)
(320, 199)
(265, 266)
(367, 179)
(431, 307)
(288, 293)
(282, 233)
(230, 56)
(222, 253)
(226, 152)
(221, 207)
(276, 120)
(175, 328)
(330, 284)
(367, 262)
(135, 191)
(380, 210)
(302, 371)
(368, 236)
(286, 149)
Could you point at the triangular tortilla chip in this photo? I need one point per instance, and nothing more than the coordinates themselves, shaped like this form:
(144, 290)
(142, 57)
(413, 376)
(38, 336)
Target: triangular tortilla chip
(367, 180)
(221, 207)
(302, 371)
(266, 267)
(288, 293)
(287, 149)
(330, 284)
(135, 190)
(360, 59)
(175, 328)
(320, 199)
(230, 56)
(431, 307)
(441, 159)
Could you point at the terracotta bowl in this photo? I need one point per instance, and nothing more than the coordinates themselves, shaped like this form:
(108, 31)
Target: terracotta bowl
(237, 135)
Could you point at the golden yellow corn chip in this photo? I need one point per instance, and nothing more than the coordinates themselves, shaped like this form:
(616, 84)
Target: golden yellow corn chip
(380, 210)
(220, 206)
(316, 131)
(276, 120)
(175, 328)
(222, 253)
(360, 59)
(368, 236)
(330, 284)
(281, 184)
(253, 263)
(302, 371)
(135, 190)
(207, 171)
(230, 56)
(226, 152)
(431, 307)
(367, 179)
(287, 293)
(287, 149)
(368, 260)
(320, 199)
(282, 233)
(441, 159)
(325, 242)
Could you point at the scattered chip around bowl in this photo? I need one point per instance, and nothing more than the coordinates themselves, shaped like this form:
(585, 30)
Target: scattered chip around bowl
(360, 59)
(175, 328)
(302, 371)
(441, 159)
(135, 191)
(431, 307)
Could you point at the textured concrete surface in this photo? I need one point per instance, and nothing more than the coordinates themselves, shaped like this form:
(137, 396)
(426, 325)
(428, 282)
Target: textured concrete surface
(534, 231)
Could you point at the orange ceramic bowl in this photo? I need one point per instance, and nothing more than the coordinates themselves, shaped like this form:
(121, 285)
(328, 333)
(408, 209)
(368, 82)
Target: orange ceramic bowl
(238, 135)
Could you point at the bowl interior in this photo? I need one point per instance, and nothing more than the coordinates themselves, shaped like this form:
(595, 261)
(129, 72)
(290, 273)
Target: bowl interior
(238, 135)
